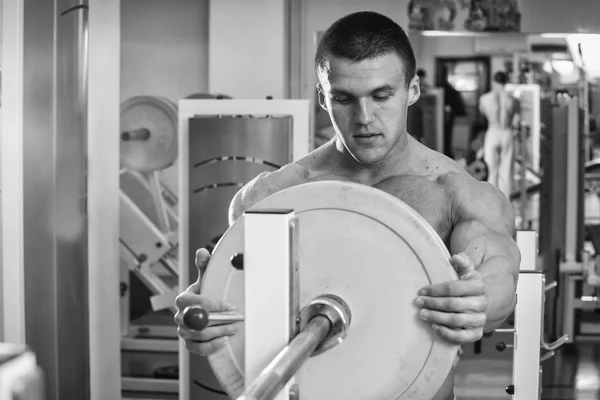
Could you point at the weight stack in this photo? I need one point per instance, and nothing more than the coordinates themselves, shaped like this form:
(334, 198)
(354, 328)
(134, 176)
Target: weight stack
(225, 153)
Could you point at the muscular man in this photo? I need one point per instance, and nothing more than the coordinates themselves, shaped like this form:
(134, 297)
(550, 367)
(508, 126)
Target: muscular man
(367, 81)
(502, 112)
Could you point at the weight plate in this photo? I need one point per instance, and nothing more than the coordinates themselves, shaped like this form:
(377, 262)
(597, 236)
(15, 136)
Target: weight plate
(373, 251)
(159, 150)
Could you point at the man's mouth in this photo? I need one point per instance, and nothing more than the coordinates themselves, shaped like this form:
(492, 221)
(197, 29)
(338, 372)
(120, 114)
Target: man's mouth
(366, 135)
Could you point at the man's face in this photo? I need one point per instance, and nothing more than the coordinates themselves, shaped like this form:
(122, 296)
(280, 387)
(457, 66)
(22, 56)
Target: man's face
(368, 102)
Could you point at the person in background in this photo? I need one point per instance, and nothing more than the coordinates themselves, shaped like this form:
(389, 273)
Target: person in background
(454, 106)
(423, 80)
(502, 112)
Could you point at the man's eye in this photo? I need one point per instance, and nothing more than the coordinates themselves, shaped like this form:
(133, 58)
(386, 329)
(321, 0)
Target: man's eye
(381, 97)
(341, 99)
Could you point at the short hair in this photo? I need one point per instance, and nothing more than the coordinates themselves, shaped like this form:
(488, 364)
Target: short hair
(501, 77)
(366, 35)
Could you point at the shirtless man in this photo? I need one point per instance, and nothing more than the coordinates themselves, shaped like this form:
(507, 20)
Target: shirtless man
(367, 81)
(502, 112)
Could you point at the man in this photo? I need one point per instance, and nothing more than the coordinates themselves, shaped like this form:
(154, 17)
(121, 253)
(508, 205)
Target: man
(423, 84)
(502, 112)
(367, 81)
(454, 107)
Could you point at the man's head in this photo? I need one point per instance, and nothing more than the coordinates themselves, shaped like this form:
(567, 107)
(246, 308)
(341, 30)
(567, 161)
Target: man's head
(366, 69)
(500, 80)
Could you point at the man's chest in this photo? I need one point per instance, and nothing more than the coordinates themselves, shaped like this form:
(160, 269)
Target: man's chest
(425, 197)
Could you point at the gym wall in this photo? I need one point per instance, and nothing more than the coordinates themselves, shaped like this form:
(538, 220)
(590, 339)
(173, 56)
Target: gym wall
(164, 52)
(164, 48)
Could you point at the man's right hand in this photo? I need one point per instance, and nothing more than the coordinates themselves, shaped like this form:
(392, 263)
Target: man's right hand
(211, 338)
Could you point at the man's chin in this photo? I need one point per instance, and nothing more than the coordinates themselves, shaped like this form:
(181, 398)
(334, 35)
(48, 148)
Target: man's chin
(367, 157)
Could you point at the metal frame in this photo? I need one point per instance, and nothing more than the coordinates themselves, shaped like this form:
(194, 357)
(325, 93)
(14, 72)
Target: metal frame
(528, 334)
(576, 265)
(300, 112)
(138, 235)
(536, 120)
(104, 97)
(439, 114)
(528, 331)
(270, 269)
(146, 250)
(572, 189)
(100, 45)
(13, 297)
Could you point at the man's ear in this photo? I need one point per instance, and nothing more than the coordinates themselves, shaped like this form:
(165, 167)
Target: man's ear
(414, 91)
(321, 95)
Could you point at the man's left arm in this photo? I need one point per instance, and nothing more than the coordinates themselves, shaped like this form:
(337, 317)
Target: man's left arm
(484, 232)
(486, 259)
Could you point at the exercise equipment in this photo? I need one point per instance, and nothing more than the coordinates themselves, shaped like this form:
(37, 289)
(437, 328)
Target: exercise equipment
(478, 169)
(148, 133)
(225, 144)
(528, 332)
(346, 251)
(330, 317)
(148, 243)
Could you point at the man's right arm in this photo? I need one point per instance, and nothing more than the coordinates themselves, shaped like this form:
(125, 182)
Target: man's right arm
(264, 185)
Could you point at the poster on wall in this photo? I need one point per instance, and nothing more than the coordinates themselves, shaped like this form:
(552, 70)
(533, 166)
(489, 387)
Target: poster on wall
(464, 15)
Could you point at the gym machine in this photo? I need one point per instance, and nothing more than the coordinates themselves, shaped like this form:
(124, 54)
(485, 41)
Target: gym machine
(225, 144)
(148, 245)
(289, 264)
(527, 149)
(575, 262)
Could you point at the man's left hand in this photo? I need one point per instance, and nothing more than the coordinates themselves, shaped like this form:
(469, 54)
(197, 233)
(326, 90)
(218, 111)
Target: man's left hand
(456, 310)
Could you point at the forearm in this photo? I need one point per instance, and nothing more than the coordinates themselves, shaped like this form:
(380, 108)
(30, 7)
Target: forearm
(498, 274)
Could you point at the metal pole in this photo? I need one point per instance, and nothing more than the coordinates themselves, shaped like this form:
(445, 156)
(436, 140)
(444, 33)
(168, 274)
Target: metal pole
(273, 378)
(523, 181)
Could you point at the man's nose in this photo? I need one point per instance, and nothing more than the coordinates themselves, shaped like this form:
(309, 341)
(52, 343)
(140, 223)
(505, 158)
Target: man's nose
(363, 112)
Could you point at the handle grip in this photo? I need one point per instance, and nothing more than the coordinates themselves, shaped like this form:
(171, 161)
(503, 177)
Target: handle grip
(198, 318)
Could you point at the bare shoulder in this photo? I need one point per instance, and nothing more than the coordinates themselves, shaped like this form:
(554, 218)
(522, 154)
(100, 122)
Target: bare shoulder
(432, 164)
(473, 200)
(264, 185)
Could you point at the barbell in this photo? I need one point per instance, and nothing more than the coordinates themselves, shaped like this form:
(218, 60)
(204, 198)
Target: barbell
(362, 255)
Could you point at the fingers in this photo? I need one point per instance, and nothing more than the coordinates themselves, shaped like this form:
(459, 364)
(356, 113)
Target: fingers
(475, 287)
(202, 258)
(189, 298)
(211, 338)
(453, 304)
(458, 336)
(210, 333)
(201, 261)
(206, 348)
(454, 320)
(462, 264)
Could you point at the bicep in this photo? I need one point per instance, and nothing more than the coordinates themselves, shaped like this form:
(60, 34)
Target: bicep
(246, 197)
(235, 208)
(485, 223)
(482, 242)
